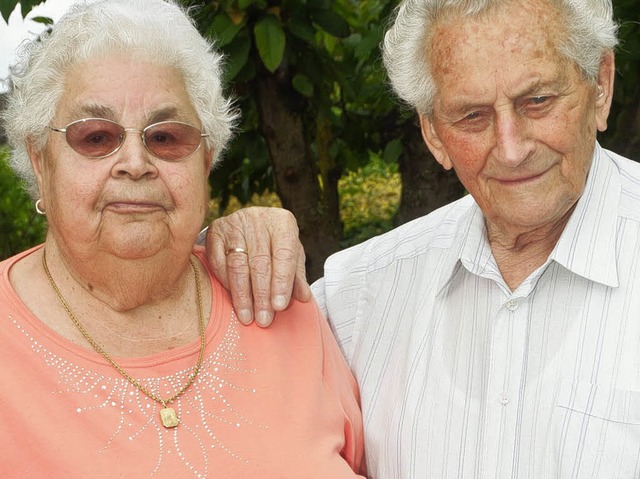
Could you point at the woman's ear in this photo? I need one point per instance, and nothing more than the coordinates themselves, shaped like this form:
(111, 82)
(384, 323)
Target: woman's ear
(604, 90)
(208, 158)
(433, 142)
(36, 156)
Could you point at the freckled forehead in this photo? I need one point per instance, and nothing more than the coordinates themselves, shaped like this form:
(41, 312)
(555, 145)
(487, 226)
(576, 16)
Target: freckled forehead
(516, 36)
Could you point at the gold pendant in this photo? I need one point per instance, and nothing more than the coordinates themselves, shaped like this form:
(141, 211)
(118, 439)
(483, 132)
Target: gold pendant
(169, 417)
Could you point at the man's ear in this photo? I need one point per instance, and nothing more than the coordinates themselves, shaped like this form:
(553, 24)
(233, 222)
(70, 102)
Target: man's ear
(604, 90)
(436, 147)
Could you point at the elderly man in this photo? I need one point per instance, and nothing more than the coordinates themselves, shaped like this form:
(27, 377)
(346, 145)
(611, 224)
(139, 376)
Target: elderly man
(500, 335)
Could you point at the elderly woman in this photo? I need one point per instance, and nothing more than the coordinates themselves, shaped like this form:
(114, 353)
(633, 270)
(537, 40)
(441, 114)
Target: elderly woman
(120, 354)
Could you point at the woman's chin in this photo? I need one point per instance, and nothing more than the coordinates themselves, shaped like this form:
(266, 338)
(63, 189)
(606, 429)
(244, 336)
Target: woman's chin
(139, 244)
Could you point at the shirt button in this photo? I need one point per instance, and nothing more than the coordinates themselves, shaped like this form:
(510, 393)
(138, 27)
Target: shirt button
(504, 399)
(512, 305)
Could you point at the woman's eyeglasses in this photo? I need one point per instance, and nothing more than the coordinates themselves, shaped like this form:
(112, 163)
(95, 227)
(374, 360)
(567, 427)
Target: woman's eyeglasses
(98, 138)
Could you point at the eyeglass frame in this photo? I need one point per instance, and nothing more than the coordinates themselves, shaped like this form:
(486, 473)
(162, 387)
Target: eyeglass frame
(142, 138)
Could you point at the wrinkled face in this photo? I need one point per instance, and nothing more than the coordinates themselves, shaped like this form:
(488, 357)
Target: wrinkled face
(130, 203)
(514, 119)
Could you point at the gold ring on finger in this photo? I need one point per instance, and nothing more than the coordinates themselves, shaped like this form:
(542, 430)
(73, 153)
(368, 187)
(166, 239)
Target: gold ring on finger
(235, 250)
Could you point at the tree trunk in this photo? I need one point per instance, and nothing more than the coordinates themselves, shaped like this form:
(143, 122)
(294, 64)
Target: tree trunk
(295, 173)
(426, 186)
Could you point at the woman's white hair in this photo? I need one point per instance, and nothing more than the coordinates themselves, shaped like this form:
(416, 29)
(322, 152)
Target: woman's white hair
(156, 30)
(590, 33)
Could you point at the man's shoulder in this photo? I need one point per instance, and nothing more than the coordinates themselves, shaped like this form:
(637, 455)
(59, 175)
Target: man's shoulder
(436, 230)
(629, 185)
(629, 168)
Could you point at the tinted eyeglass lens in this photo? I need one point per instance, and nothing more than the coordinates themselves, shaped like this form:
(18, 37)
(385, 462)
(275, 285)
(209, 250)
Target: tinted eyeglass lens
(94, 138)
(170, 140)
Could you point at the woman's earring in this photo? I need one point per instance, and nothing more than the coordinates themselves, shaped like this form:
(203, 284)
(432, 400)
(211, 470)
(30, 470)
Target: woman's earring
(38, 203)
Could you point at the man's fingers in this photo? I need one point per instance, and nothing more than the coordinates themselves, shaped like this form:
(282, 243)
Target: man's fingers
(263, 277)
(240, 285)
(254, 224)
(283, 277)
(288, 283)
(215, 251)
(301, 289)
(231, 268)
(260, 267)
(288, 260)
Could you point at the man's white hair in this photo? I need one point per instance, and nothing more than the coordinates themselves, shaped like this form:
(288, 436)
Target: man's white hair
(590, 32)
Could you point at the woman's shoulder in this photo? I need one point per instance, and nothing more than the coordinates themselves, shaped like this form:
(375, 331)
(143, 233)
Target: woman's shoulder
(299, 322)
(7, 263)
(17, 275)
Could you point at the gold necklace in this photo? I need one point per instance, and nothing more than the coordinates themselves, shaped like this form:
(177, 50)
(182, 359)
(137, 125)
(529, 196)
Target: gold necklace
(167, 414)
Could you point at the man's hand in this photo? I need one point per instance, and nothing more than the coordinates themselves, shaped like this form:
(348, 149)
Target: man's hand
(268, 270)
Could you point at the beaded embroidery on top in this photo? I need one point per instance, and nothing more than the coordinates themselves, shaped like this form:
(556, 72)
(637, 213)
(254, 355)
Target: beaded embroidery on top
(201, 410)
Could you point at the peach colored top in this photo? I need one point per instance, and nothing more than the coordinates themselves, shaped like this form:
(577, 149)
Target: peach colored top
(268, 403)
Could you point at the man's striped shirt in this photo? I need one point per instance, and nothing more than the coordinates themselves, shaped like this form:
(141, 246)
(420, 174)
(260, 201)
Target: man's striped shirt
(463, 378)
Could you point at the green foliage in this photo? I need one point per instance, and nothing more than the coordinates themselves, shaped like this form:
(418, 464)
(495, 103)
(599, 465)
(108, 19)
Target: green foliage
(330, 22)
(8, 6)
(628, 53)
(270, 40)
(303, 85)
(327, 53)
(369, 198)
(623, 134)
(20, 226)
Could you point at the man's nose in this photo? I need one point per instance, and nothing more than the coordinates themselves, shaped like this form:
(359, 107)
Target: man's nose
(513, 141)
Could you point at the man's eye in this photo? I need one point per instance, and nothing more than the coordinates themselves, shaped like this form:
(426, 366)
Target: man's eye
(536, 106)
(475, 121)
(539, 100)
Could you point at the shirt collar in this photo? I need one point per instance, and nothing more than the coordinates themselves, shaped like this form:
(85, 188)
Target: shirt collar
(587, 246)
(469, 247)
(472, 249)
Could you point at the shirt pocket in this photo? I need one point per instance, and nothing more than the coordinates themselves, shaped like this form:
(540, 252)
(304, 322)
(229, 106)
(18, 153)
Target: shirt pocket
(609, 404)
(595, 432)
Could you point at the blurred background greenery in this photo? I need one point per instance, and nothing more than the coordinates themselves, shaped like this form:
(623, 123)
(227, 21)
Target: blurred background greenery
(20, 225)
